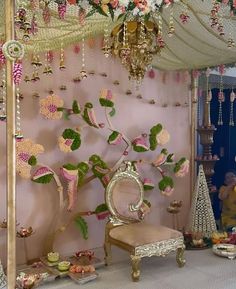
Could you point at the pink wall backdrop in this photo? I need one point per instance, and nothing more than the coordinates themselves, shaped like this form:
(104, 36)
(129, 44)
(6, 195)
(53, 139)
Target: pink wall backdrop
(37, 203)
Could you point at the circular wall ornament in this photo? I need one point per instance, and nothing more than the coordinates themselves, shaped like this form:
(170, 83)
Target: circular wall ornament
(13, 50)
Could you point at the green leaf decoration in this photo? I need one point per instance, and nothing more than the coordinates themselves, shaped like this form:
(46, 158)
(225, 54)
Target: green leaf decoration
(32, 161)
(147, 203)
(169, 158)
(90, 13)
(111, 11)
(120, 16)
(83, 169)
(154, 131)
(166, 182)
(146, 17)
(178, 164)
(75, 136)
(66, 115)
(114, 137)
(98, 8)
(106, 102)
(76, 143)
(82, 225)
(46, 179)
(88, 109)
(101, 208)
(60, 108)
(70, 167)
(75, 107)
(112, 112)
(131, 6)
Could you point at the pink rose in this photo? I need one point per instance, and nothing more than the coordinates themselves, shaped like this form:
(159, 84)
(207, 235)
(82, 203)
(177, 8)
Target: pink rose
(168, 191)
(184, 169)
(160, 160)
(163, 137)
(114, 3)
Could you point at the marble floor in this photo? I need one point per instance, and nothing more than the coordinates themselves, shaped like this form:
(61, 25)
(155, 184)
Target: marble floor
(203, 270)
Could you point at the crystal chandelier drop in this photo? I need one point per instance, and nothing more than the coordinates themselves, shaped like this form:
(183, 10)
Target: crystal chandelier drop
(135, 43)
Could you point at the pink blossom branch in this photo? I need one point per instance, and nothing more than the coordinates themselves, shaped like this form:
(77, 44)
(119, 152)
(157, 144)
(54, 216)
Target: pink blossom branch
(124, 138)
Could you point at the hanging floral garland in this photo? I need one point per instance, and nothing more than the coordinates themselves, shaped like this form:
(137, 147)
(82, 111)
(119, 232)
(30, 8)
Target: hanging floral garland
(118, 8)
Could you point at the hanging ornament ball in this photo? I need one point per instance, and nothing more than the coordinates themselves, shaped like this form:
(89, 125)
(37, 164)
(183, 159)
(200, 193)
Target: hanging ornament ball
(232, 96)
(13, 50)
(151, 73)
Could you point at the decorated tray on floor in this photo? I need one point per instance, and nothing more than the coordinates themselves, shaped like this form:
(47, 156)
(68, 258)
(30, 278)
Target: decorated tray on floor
(62, 269)
(225, 250)
(33, 275)
(86, 258)
(82, 278)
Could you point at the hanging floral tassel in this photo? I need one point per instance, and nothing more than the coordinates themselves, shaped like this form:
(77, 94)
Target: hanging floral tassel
(77, 49)
(17, 72)
(232, 98)
(221, 98)
(34, 25)
(46, 14)
(2, 57)
(62, 10)
(82, 14)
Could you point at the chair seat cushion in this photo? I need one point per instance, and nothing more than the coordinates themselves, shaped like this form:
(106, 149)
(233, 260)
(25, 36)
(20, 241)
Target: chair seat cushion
(139, 234)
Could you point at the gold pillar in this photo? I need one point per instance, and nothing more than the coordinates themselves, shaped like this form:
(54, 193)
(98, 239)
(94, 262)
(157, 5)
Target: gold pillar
(194, 107)
(11, 163)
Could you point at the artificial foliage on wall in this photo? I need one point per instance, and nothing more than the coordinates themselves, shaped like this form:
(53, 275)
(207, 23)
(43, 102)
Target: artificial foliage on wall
(77, 174)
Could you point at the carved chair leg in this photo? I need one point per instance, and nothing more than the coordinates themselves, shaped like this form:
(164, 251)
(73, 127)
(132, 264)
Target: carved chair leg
(180, 257)
(135, 261)
(107, 250)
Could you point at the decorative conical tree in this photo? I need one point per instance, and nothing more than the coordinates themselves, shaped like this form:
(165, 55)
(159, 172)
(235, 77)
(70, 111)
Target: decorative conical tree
(201, 215)
(3, 281)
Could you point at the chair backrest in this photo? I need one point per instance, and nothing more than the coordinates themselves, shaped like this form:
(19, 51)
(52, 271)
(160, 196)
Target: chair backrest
(124, 194)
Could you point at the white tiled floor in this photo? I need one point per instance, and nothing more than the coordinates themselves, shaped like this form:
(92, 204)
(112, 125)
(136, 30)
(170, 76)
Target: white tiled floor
(203, 270)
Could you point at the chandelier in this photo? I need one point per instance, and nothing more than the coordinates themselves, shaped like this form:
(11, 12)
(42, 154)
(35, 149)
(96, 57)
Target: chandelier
(135, 43)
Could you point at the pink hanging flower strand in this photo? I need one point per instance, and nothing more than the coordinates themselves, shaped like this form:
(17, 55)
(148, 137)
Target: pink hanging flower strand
(62, 10)
(17, 73)
(221, 69)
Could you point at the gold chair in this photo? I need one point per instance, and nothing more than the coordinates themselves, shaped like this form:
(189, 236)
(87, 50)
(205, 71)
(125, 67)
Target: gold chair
(126, 228)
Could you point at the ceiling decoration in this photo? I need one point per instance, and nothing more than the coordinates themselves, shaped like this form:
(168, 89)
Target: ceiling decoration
(204, 31)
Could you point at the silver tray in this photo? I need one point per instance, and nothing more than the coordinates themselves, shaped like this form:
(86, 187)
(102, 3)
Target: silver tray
(225, 250)
(82, 278)
(96, 262)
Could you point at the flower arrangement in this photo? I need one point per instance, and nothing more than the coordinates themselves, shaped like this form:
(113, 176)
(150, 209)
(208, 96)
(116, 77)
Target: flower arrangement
(118, 8)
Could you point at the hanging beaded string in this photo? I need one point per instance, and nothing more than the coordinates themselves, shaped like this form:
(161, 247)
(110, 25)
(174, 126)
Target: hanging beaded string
(160, 40)
(3, 115)
(171, 22)
(221, 96)
(17, 75)
(83, 72)
(47, 59)
(106, 47)
(62, 54)
(231, 117)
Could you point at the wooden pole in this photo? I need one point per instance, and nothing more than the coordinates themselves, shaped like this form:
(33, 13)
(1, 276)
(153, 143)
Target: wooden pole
(194, 106)
(11, 161)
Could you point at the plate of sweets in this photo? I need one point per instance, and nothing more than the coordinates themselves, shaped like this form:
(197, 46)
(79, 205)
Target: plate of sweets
(86, 257)
(52, 259)
(225, 250)
(82, 273)
(62, 269)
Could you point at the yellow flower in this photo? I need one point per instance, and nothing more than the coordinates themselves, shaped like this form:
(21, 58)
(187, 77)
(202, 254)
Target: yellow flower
(25, 149)
(105, 8)
(163, 137)
(65, 144)
(49, 106)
